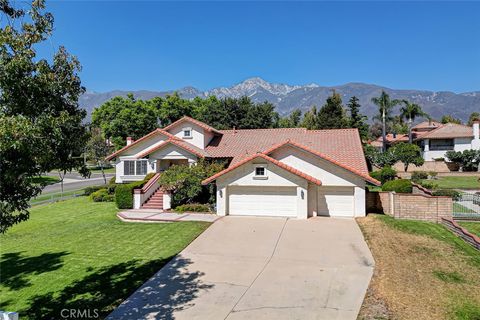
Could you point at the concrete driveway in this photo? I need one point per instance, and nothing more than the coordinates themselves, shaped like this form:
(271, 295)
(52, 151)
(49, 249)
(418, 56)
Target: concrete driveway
(261, 268)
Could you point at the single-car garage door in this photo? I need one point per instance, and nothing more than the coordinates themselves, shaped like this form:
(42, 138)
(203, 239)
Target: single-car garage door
(263, 201)
(335, 201)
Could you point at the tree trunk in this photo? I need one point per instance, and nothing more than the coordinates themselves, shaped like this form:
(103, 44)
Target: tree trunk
(103, 173)
(384, 132)
(410, 138)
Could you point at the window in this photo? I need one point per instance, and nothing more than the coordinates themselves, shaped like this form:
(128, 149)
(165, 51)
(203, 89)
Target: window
(441, 144)
(260, 171)
(135, 167)
(187, 133)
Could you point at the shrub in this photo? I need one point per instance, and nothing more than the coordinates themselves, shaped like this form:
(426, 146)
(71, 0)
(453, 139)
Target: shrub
(399, 186)
(124, 194)
(429, 185)
(468, 159)
(433, 175)
(101, 195)
(193, 207)
(89, 190)
(185, 182)
(448, 193)
(112, 180)
(419, 175)
(111, 188)
(439, 159)
(149, 176)
(387, 173)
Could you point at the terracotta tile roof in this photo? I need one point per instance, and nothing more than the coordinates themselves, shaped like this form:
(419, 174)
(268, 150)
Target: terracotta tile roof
(364, 175)
(343, 145)
(427, 125)
(180, 143)
(449, 131)
(156, 131)
(391, 139)
(195, 121)
(276, 162)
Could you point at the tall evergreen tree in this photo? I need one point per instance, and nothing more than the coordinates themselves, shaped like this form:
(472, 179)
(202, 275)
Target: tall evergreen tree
(310, 119)
(332, 114)
(357, 120)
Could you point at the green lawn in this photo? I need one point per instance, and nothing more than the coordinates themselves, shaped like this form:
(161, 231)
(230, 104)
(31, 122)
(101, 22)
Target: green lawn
(45, 180)
(473, 227)
(76, 254)
(464, 182)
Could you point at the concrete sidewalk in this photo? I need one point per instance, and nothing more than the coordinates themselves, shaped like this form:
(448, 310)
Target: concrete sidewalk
(260, 268)
(153, 215)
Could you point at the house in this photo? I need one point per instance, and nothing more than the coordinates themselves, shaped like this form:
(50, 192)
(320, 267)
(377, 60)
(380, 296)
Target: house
(435, 138)
(292, 172)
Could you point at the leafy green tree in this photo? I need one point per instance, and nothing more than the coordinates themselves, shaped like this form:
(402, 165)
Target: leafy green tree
(310, 119)
(292, 120)
(385, 108)
(407, 153)
(332, 115)
(356, 119)
(171, 108)
(450, 119)
(185, 182)
(120, 118)
(98, 149)
(474, 116)
(410, 111)
(39, 112)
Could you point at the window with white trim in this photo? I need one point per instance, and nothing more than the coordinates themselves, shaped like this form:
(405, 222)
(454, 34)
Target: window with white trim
(260, 172)
(135, 167)
(187, 133)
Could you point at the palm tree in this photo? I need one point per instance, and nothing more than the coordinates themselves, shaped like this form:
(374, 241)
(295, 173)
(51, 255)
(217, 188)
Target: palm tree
(385, 106)
(410, 111)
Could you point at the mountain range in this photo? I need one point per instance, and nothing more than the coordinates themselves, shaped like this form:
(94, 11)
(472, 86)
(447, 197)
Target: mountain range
(289, 97)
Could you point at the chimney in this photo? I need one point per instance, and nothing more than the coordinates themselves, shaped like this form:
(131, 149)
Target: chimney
(476, 135)
(129, 141)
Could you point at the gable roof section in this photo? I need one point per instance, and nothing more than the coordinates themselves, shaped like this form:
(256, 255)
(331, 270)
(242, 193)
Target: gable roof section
(151, 134)
(194, 121)
(361, 174)
(177, 142)
(427, 125)
(269, 159)
(449, 131)
(343, 145)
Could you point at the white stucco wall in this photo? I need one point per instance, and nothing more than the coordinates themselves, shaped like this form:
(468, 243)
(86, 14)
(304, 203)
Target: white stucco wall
(199, 136)
(141, 146)
(327, 172)
(172, 152)
(245, 176)
(460, 144)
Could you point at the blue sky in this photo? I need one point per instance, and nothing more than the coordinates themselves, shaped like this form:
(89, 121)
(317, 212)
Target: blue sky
(167, 45)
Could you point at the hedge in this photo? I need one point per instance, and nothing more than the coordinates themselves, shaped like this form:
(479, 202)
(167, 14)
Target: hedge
(124, 194)
(193, 207)
(102, 195)
(89, 190)
(399, 186)
(387, 173)
(448, 193)
(419, 175)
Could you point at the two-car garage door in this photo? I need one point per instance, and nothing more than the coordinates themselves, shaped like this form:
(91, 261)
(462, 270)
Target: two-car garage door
(263, 201)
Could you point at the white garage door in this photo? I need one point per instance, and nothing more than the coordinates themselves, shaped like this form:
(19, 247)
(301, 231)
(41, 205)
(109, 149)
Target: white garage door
(263, 201)
(335, 201)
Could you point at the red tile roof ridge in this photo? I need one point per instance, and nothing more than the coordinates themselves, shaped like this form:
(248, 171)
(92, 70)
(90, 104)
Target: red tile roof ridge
(263, 129)
(195, 121)
(270, 159)
(158, 130)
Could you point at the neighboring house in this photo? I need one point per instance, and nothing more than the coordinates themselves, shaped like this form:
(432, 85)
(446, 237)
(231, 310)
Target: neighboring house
(291, 172)
(435, 138)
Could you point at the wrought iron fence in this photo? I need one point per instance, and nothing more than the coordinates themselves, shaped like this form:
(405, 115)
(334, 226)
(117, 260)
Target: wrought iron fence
(467, 206)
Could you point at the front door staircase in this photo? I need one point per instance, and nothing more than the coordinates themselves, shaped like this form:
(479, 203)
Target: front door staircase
(155, 201)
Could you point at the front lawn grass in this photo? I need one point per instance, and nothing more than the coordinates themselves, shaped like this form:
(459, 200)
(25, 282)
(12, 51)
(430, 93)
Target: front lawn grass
(472, 227)
(76, 254)
(463, 182)
(422, 271)
(45, 180)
